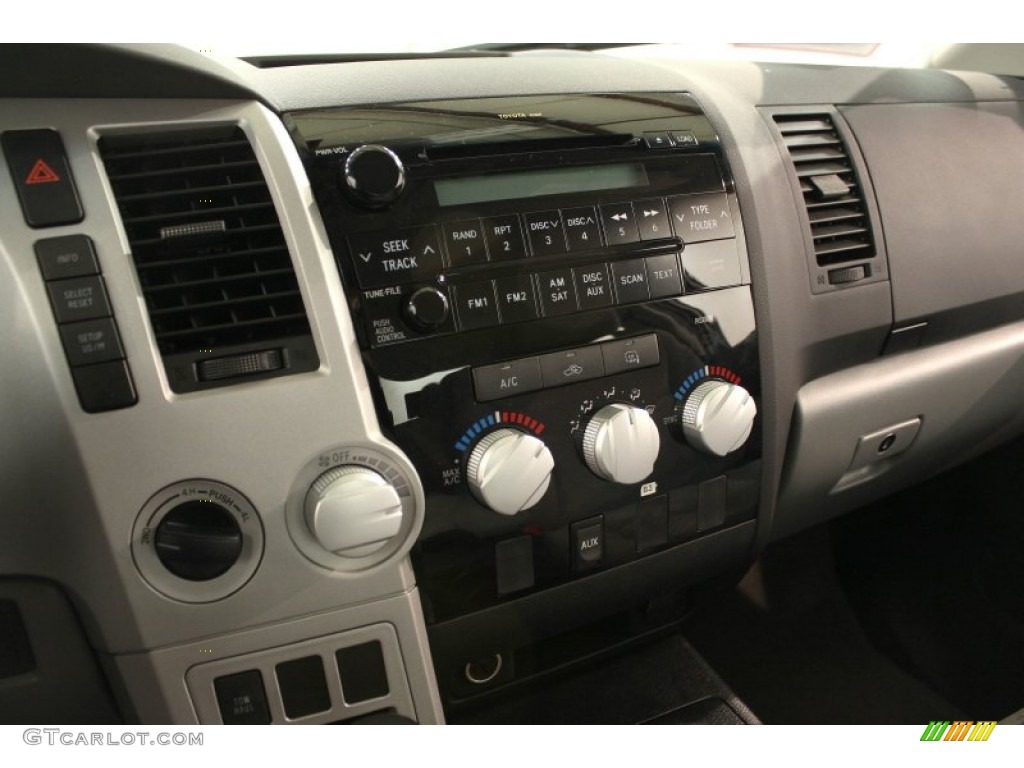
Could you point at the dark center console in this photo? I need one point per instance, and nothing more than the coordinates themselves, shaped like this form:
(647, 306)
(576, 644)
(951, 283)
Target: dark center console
(553, 302)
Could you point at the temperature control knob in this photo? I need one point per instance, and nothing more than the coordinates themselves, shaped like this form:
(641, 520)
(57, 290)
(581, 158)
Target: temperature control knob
(373, 176)
(509, 471)
(621, 443)
(353, 511)
(718, 417)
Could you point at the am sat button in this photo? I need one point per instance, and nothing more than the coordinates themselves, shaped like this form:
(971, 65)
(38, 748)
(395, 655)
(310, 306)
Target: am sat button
(571, 366)
(557, 294)
(388, 257)
(627, 354)
(506, 379)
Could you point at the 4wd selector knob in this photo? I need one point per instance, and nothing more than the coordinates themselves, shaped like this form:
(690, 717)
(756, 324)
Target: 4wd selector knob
(373, 175)
(621, 443)
(509, 471)
(353, 511)
(717, 417)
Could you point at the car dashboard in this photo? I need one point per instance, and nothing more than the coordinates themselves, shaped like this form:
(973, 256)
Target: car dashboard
(340, 391)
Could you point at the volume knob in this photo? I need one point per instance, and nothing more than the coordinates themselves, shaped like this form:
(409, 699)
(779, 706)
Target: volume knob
(509, 471)
(718, 417)
(621, 444)
(373, 176)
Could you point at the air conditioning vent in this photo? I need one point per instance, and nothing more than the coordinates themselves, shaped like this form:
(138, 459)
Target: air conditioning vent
(833, 196)
(210, 254)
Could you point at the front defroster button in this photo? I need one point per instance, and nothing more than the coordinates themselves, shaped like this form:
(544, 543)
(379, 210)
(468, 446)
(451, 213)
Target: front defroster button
(571, 366)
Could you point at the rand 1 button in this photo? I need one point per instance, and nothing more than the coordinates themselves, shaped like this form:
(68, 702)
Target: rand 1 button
(465, 242)
(630, 280)
(504, 237)
(663, 275)
(619, 222)
(711, 265)
(388, 257)
(652, 219)
(42, 177)
(544, 228)
(627, 354)
(506, 379)
(516, 301)
(80, 298)
(63, 257)
(593, 286)
(475, 305)
(557, 294)
(581, 228)
(91, 341)
(697, 218)
(571, 366)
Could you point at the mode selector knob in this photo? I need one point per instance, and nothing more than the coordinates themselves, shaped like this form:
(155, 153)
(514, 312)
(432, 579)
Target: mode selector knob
(426, 308)
(621, 443)
(353, 511)
(373, 176)
(717, 417)
(509, 470)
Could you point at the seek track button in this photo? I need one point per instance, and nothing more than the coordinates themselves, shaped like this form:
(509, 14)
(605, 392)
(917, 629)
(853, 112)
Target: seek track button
(396, 256)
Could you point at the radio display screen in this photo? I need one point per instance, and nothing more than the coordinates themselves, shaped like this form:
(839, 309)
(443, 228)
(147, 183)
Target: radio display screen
(550, 181)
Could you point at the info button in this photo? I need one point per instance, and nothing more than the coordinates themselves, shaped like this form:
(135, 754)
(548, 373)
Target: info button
(507, 379)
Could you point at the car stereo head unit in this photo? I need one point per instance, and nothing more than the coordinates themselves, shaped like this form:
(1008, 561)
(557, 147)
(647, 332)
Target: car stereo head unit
(460, 215)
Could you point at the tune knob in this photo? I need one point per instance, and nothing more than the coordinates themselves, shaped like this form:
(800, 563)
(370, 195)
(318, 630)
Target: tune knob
(509, 471)
(426, 308)
(373, 175)
(621, 443)
(353, 511)
(718, 417)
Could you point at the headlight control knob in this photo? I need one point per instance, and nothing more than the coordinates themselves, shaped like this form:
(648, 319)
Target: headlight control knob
(373, 176)
(621, 444)
(353, 511)
(509, 470)
(717, 417)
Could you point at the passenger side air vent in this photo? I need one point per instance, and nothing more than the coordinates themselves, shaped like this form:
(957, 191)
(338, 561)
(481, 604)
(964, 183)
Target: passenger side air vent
(211, 257)
(833, 196)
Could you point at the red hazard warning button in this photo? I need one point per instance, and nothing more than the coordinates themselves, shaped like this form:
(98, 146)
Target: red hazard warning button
(41, 174)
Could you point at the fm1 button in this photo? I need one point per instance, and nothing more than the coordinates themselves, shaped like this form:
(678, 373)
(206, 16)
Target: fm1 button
(587, 538)
(476, 305)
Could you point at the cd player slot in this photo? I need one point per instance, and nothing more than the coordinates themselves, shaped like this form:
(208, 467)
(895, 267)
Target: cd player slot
(463, 151)
(657, 247)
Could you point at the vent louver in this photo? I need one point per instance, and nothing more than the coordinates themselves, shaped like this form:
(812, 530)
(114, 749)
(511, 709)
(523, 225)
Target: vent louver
(209, 252)
(833, 196)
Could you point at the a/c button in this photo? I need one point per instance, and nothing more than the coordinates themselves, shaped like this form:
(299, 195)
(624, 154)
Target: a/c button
(506, 379)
